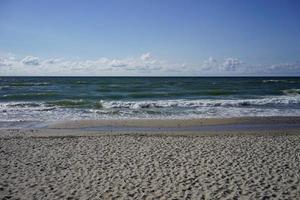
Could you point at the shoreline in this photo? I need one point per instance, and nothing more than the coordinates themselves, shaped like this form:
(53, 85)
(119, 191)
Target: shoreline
(217, 125)
(175, 123)
(188, 127)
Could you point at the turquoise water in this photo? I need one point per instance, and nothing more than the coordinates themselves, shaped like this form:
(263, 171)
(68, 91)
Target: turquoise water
(68, 98)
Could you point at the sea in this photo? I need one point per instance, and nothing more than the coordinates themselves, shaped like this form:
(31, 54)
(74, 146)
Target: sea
(76, 98)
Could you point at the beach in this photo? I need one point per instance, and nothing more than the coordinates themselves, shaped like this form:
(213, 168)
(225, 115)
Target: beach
(150, 100)
(68, 161)
(149, 138)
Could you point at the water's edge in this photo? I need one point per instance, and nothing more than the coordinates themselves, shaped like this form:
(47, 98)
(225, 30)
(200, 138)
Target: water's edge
(164, 125)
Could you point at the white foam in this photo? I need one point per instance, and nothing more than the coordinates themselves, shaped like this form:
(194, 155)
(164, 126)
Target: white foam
(287, 105)
(186, 103)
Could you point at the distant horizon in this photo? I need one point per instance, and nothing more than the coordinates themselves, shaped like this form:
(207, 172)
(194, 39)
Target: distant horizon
(281, 76)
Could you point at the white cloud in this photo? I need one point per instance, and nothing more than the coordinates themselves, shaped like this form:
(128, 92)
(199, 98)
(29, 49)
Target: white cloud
(117, 63)
(210, 64)
(145, 64)
(146, 56)
(285, 66)
(234, 66)
(281, 68)
(31, 65)
(231, 64)
(51, 61)
(5, 62)
(30, 60)
(224, 65)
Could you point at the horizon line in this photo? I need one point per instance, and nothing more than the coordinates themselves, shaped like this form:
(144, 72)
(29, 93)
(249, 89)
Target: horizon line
(138, 76)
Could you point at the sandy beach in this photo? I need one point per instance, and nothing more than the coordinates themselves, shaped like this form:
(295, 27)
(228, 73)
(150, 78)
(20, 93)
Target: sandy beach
(62, 163)
(150, 100)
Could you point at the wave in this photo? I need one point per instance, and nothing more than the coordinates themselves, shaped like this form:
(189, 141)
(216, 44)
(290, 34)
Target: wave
(180, 103)
(278, 81)
(28, 96)
(22, 84)
(286, 100)
(24, 105)
(185, 103)
(68, 103)
(182, 93)
(162, 94)
(5, 87)
(220, 93)
(178, 108)
(75, 103)
(291, 92)
(80, 82)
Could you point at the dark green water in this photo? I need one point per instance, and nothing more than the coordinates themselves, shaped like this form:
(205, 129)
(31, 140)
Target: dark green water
(53, 98)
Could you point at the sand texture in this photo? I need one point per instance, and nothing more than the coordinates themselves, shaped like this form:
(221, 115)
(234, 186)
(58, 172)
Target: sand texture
(150, 167)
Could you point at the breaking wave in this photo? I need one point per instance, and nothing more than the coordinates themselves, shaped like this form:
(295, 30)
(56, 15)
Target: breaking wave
(291, 92)
(185, 103)
(287, 105)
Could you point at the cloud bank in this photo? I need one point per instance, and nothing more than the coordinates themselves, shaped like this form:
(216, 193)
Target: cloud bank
(143, 65)
(30, 60)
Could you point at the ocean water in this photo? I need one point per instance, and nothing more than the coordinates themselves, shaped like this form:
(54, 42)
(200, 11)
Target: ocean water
(70, 98)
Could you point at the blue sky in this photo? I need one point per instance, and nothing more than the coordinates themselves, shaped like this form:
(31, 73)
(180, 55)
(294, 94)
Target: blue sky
(156, 37)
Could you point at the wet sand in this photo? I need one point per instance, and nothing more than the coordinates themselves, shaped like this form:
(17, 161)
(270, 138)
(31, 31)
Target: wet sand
(62, 163)
(174, 122)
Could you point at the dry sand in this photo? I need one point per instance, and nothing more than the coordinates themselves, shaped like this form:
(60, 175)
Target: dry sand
(47, 164)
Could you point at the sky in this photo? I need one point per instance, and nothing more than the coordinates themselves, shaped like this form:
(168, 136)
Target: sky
(150, 37)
